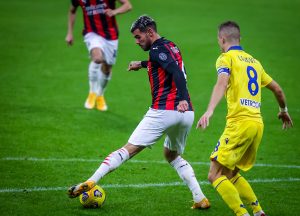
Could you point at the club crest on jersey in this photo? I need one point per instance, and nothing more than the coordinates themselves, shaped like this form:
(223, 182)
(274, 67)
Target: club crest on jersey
(175, 50)
(162, 56)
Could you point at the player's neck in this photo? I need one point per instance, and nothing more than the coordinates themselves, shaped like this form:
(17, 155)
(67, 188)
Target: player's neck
(155, 38)
(227, 46)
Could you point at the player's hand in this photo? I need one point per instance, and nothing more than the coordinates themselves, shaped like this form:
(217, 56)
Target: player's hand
(134, 65)
(286, 120)
(69, 39)
(109, 12)
(182, 106)
(204, 120)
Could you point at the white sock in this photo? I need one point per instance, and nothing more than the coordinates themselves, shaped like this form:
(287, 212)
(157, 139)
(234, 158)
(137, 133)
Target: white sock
(103, 80)
(93, 76)
(110, 163)
(186, 173)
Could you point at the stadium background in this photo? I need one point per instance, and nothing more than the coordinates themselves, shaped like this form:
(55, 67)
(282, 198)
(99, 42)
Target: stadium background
(48, 141)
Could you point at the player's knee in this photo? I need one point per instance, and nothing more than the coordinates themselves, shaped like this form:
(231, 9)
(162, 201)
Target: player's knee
(98, 60)
(170, 155)
(97, 56)
(211, 177)
(133, 149)
(106, 69)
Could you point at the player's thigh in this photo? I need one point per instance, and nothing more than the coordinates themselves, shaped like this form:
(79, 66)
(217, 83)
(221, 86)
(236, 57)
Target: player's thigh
(178, 131)
(150, 129)
(95, 45)
(97, 55)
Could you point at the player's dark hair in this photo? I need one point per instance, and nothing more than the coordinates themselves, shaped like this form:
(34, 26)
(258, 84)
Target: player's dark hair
(143, 23)
(231, 29)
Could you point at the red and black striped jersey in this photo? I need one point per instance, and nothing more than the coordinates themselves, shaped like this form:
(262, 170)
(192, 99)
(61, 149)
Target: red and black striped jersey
(165, 95)
(95, 19)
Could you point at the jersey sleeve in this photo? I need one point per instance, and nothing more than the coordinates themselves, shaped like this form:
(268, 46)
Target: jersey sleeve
(223, 64)
(162, 56)
(265, 78)
(75, 3)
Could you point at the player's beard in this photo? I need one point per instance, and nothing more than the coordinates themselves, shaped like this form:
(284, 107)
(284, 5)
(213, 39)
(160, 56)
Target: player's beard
(147, 45)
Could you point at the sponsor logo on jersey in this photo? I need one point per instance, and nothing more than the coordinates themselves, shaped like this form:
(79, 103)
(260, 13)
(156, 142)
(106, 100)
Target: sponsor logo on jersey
(250, 103)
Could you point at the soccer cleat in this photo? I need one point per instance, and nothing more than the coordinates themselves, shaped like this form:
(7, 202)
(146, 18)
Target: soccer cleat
(90, 101)
(203, 204)
(101, 104)
(260, 213)
(76, 190)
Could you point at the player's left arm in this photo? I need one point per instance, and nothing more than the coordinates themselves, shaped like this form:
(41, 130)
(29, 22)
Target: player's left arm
(125, 7)
(163, 56)
(283, 111)
(136, 65)
(180, 83)
(217, 94)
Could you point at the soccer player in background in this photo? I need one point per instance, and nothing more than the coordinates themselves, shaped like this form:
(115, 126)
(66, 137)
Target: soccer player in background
(101, 38)
(240, 78)
(170, 114)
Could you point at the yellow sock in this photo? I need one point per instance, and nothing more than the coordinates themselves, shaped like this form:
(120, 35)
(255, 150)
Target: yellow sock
(230, 195)
(246, 192)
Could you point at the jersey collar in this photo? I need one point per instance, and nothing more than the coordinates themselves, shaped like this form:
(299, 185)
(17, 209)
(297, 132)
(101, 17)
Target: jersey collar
(235, 48)
(158, 41)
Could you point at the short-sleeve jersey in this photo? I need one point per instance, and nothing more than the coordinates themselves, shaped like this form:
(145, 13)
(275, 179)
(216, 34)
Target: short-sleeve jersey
(95, 19)
(247, 77)
(163, 89)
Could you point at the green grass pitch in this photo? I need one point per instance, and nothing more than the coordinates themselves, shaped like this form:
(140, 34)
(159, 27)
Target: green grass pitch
(48, 141)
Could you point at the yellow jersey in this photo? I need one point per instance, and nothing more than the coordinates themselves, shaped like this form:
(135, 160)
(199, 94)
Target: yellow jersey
(247, 77)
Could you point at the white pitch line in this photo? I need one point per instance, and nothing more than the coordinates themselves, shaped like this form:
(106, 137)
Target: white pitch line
(149, 185)
(131, 161)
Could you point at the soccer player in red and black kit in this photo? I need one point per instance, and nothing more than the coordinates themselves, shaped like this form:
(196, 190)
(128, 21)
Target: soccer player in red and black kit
(171, 112)
(101, 38)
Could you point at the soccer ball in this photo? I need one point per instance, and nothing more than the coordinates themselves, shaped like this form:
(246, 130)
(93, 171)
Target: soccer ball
(93, 198)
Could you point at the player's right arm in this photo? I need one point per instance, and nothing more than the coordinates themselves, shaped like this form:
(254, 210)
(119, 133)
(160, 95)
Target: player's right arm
(283, 112)
(217, 95)
(71, 22)
(223, 66)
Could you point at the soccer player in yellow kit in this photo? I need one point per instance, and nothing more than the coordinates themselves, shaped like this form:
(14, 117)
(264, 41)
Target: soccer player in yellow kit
(240, 78)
